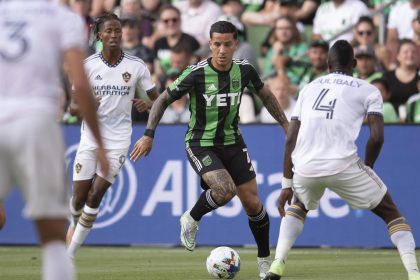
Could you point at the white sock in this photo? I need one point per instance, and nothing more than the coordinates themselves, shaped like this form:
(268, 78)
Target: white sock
(56, 263)
(404, 241)
(290, 228)
(82, 229)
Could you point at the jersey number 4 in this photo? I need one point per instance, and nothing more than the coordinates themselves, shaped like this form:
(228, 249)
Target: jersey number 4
(323, 105)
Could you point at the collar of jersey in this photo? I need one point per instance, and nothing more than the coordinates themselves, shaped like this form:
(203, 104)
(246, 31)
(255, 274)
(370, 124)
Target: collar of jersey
(109, 64)
(216, 70)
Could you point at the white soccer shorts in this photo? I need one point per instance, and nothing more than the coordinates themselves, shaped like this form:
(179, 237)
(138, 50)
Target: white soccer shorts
(32, 157)
(358, 185)
(86, 165)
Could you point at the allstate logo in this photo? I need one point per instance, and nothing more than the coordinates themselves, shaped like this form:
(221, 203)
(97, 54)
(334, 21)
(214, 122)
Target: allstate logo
(120, 196)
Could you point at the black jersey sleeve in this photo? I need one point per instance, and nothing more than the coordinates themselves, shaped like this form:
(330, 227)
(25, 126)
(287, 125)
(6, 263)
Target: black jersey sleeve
(182, 85)
(254, 81)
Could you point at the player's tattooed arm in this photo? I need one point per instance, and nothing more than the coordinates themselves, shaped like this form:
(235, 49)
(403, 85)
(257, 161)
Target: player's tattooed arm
(222, 185)
(158, 108)
(273, 107)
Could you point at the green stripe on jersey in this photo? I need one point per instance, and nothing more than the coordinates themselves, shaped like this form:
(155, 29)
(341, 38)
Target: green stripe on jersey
(232, 119)
(211, 87)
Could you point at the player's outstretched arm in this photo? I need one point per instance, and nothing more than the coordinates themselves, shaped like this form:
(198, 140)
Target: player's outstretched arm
(286, 194)
(73, 58)
(143, 146)
(273, 107)
(376, 139)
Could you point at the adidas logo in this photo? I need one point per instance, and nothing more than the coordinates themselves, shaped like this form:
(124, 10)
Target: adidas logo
(98, 78)
(212, 87)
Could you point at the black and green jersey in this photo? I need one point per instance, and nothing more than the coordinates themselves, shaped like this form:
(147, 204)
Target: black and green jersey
(215, 97)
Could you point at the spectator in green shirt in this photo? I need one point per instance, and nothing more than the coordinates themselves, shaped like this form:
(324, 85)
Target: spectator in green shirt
(365, 68)
(390, 116)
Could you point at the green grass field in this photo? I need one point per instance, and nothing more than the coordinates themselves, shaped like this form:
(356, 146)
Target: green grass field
(123, 263)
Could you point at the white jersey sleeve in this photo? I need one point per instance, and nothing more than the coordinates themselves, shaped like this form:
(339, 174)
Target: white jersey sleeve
(145, 82)
(72, 31)
(374, 103)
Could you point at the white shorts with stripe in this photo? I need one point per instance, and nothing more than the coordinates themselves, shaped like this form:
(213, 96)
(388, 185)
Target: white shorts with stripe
(358, 185)
(86, 164)
(32, 157)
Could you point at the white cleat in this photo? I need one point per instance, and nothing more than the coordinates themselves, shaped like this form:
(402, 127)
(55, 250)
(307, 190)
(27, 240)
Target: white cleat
(189, 228)
(263, 266)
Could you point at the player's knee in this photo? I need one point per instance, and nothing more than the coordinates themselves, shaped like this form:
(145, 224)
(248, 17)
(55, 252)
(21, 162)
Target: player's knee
(223, 194)
(298, 211)
(88, 216)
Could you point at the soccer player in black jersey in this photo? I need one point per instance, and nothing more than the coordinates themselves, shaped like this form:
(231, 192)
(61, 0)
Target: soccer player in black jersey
(214, 143)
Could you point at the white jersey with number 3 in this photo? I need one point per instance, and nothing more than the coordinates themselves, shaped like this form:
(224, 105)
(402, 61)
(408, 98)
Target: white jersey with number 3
(33, 37)
(115, 85)
(331, 110)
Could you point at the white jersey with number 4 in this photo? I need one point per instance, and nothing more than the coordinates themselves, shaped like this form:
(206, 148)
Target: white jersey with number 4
(33, 37)
(331, 110)
(115, 85)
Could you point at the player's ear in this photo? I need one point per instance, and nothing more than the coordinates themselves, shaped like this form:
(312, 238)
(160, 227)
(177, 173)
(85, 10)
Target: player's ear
(354, 63)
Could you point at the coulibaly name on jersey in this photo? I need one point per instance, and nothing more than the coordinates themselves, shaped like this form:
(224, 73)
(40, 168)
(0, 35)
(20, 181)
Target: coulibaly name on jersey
(351, 83)
(221, 99)
(111, 90)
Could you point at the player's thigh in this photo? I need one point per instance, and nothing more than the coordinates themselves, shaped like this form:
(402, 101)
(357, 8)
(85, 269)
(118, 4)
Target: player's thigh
(204, 160)
(84, 166)
(359, 186)
(238, 163)
(308, 190)
(116, 158)
(41, 163)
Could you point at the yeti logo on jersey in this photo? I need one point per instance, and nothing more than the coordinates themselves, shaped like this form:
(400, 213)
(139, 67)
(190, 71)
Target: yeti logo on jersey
(77, 168)
(207, 160)
(126, 76)
(235, 84)
(221, 99)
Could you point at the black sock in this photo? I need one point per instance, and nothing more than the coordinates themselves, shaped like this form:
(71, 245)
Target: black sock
(204, 205)
(260, 227)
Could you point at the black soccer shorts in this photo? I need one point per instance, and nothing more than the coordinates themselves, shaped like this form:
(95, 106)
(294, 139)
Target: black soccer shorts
(234, 158)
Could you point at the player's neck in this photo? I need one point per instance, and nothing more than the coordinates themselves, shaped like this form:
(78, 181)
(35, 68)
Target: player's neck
(342, 72)
(112, 56)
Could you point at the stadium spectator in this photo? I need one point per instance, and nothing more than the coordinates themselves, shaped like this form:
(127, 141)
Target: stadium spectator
(413, 107)
(286, 46)
(32, 154)
(321, 153)
(317, 54)
(282, 90)
(403, 80)
(334, 17)
(389, 113)
(416, 36)
(111, 68)
(132, 8)
(170, 17)
(83, 8)
(232, 8)
(365, 67)
(365, 35)
(132, 45)
(399, 25)
(197, 17)
(215, 147)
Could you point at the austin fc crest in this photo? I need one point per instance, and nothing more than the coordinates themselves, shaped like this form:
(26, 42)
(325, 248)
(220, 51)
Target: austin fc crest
(126, 76)
(235, 83)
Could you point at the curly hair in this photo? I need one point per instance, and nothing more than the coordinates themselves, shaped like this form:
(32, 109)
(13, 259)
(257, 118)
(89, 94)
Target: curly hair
(99, 21)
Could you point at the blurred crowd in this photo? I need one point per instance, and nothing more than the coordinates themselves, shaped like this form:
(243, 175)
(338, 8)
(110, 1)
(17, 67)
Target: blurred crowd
(287, 41)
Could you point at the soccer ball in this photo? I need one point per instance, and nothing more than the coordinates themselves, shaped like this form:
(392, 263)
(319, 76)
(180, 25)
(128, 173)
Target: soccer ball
(223, 263)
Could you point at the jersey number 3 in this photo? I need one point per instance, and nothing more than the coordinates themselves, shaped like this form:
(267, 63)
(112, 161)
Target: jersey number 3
(16, 44)
(323, 105)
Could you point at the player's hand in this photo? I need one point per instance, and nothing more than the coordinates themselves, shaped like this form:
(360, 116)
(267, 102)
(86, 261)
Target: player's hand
(98, 101)
(286, 195)
(142, 147)
(103, 161)
(140, 104)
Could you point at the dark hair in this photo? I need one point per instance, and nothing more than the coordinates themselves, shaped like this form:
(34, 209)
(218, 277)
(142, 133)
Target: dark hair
(382, 81)
(182, 47)
(99, 21)
(223, 27)
(405, 41)
(341, 54)
(366, 19)
(169, 7)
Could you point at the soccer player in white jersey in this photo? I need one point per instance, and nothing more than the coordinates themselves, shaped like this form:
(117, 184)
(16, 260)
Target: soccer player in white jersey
(114, 76)
(321, 153)
(36, 36)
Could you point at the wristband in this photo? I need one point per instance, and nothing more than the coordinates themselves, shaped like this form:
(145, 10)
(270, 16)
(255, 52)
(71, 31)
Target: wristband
(286, 183)
(149, 132)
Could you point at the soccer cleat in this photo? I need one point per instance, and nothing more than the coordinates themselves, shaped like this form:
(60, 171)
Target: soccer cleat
(413, 276)
(277, 269)
(189, 228)
(263, 266)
